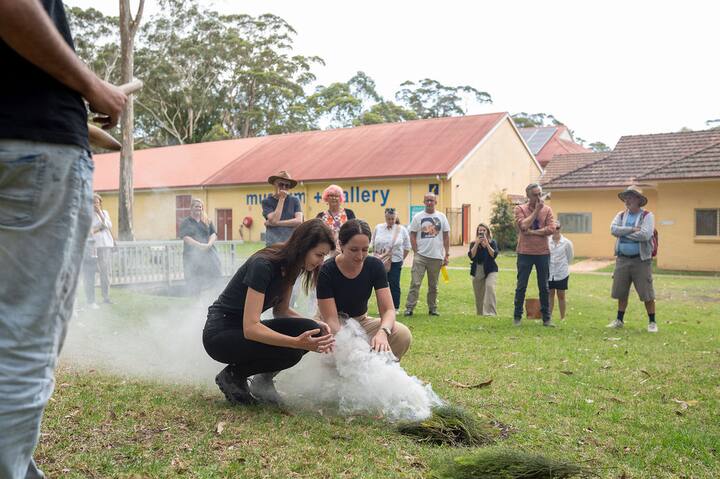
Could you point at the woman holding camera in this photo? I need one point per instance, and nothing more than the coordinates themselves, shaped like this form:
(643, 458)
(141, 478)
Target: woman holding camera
(484, 270)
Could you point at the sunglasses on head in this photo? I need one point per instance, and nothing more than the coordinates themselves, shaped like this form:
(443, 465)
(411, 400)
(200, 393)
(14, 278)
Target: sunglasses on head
(389, 211)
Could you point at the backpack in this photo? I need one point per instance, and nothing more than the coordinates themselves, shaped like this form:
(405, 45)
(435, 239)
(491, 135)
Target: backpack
(655, 240)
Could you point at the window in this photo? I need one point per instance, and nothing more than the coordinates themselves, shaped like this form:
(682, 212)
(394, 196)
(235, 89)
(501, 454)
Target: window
(707, 222)
(575, 222)
(182, 210)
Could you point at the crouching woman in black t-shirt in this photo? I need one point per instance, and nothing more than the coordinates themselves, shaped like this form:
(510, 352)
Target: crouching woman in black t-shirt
(346, 283)
(234, 333)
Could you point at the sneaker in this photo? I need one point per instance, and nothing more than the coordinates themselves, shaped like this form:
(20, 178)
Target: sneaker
(548, 324)
(94, 306)
(408, 312)
(235, 389)
(616, 324)
(652, 327)
(433, 313)
(263, 389)
(516, 321)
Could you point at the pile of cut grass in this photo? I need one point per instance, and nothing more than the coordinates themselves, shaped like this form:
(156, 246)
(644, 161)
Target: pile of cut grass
(452, 426)
(510, 464)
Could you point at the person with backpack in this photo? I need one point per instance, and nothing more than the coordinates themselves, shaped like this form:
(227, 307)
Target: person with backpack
(636, 245)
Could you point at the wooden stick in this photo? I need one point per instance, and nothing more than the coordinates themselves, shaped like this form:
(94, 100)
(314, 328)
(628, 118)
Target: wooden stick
(101, 138)
(131, 87)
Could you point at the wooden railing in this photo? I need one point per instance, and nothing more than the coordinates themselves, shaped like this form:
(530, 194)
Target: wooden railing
(161, 261)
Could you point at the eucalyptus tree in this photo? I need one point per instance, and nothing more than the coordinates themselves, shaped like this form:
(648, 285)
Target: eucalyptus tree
(430, 99)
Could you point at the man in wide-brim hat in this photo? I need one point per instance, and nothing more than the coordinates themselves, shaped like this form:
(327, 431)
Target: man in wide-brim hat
(281, 210)
(282, 177)
(634, 229)
(633, 190)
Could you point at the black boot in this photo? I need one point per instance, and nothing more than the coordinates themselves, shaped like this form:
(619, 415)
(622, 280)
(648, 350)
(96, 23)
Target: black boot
(233, 387)
(263, 389)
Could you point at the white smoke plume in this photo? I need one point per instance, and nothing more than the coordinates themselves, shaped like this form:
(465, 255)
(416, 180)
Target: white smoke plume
(167, 348)
(164, 347)
(354, 380)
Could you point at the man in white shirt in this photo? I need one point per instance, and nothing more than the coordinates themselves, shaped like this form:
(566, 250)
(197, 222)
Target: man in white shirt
(561, 255)
(430, 241)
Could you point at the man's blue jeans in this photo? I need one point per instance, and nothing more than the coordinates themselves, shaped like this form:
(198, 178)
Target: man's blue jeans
(45, 217)
(525, 262)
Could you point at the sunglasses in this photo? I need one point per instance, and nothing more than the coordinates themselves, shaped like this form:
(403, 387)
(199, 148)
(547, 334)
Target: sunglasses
(284, 185)
(390, 211)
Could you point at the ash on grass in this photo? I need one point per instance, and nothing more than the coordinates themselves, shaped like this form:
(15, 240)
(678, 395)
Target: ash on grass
(450, 425)
(509, 464)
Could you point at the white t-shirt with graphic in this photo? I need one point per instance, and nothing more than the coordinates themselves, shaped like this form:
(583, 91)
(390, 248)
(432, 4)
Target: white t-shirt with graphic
(429, 229)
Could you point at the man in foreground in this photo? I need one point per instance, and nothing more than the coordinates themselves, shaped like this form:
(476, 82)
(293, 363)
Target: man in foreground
(45, 209)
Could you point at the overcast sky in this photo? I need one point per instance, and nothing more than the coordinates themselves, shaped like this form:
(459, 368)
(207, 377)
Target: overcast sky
(605, 68)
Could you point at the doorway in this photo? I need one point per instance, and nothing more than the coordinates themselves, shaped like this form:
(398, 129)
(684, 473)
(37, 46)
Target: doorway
(224, 224)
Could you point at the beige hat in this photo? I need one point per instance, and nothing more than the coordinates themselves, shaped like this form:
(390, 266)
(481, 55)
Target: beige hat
(282, 175)
(633, 190)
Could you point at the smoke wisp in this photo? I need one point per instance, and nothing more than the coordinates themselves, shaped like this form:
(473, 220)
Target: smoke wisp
(167, 348)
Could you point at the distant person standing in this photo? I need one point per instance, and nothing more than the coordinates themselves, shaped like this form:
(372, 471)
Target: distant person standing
(484, 270)
(201, 263)
(634, 229)
(430, 241)
(561, 255)
(46, 190)
(97, 254)
(535, 223)
(281, 210)
(104, 242)
(391, 242)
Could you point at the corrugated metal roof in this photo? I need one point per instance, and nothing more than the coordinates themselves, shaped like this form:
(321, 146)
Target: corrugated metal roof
(413, 148)
(171, 166)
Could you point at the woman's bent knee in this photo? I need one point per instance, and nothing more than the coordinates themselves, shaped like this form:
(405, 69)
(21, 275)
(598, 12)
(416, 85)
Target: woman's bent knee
(400, 340)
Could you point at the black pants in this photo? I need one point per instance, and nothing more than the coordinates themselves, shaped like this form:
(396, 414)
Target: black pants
(225, 342)
(525, 262)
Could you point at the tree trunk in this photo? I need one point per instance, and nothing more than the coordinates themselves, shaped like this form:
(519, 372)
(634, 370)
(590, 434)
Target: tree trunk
(128, 28)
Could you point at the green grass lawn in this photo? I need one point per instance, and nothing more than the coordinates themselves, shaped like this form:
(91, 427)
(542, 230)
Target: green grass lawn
(611, 267)
(634, 405)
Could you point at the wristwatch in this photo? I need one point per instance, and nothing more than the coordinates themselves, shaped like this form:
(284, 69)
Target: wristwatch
(387, 330)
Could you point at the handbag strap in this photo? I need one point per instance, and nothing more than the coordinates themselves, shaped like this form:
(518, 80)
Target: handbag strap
(394, 236)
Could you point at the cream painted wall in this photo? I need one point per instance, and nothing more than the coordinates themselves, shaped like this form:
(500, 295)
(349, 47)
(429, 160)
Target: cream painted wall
(398, 194)
(679, 247)
(604, 205)
(154, 212)
(502, 162)
(368, 199)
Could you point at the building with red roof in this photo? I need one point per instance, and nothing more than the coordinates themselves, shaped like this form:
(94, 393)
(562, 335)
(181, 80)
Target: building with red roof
(679, 174)
(465, 160)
